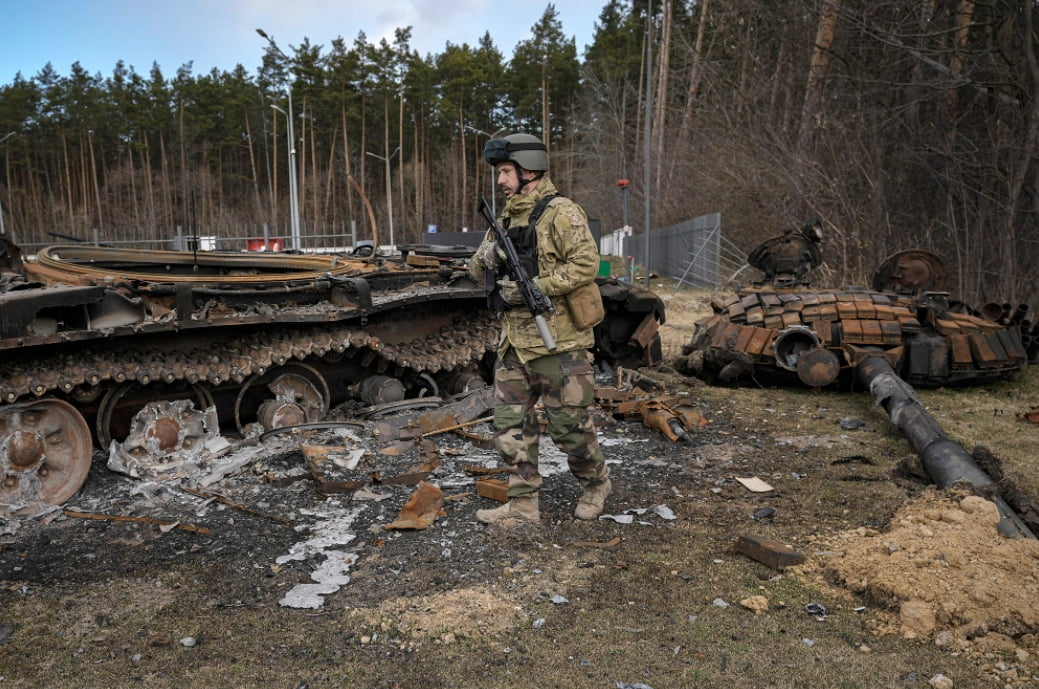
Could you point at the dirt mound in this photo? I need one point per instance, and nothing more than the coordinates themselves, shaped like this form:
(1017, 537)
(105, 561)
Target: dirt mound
(942, 572)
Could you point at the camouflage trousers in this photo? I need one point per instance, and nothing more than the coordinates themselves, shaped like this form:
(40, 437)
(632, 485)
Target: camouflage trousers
(565, 384)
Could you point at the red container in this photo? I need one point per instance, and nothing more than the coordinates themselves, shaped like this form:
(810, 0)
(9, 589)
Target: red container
(258, 245)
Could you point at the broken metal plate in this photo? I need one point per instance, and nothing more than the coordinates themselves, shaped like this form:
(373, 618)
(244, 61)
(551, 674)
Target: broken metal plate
(421, 509)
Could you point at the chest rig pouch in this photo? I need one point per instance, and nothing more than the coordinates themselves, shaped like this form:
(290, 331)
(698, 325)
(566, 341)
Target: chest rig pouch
(525, 240)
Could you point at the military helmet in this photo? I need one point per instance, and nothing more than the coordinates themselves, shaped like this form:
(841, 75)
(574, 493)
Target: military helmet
(525, 150)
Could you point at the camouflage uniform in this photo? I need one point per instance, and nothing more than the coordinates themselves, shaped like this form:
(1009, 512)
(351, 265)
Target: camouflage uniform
(526, 371)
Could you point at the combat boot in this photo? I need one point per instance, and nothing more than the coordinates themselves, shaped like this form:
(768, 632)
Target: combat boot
(523, 507)
(591, 503)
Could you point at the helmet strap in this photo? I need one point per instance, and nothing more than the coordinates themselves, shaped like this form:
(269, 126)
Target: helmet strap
(524, 182)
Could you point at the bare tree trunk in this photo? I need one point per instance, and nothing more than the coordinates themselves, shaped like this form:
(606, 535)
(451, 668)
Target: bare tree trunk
(68, 176)
(817, 72)
(167, 192)
(315, 183)
(253, 170)
(184, 180)
(663, 72)
(777, 86)
(94, 179)
(331, 209)
(135, 205)
(695, 76)
(546, 125)
(346, 165)
(83, 189)
(420, 168)
(149, 188)
(963, 18)
(1008, 244)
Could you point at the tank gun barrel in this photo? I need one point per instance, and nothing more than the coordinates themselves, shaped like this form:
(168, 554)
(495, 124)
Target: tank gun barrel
(945, 461)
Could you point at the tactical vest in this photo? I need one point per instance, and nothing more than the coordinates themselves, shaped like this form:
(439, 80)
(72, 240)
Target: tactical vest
(525, 237)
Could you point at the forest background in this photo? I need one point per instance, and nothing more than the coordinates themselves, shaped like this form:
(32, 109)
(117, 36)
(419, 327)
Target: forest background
(896, 123)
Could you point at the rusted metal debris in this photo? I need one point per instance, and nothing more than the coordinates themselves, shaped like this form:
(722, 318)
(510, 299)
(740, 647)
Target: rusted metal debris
(612, 543)
(271, 340)
(772, 553)
(674, 415)
(238, 506)
(818, 337)
(421, 509)
(144, 520)
(477, 470)
(459, 414)
(168, 438)
(492, 488)
(332, 478)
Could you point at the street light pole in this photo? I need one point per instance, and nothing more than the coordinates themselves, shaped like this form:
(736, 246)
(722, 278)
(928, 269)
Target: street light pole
(291, 134)
(2, 230)
(293, 193)
(389, 194)
(494, 196)
(649, 132)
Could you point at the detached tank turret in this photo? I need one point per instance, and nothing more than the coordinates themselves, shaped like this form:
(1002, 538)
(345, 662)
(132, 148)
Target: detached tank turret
(782, 330)
(155, 351)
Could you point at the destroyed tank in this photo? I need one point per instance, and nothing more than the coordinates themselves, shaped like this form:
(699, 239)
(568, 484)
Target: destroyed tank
(782, 330)
(153, 351)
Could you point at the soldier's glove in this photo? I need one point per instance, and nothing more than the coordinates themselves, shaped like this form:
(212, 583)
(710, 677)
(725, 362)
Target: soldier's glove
(488, 254)
(510, 292)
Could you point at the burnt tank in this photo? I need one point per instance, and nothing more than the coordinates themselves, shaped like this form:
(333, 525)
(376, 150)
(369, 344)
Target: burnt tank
(781, 330)
(156, 350)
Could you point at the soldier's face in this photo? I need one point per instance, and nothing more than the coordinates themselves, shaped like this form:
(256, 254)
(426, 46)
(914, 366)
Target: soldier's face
(510, 179)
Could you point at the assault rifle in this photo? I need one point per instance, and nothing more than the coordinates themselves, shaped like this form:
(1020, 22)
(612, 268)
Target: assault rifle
(537, 303)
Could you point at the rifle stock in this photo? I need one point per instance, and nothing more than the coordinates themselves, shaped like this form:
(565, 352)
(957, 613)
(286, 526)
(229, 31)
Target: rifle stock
(534, 299)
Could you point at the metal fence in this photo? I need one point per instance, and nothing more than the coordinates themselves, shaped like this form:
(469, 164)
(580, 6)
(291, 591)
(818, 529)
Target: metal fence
(692, 253)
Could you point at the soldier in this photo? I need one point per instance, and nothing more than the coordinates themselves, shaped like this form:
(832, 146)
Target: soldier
(554, 243)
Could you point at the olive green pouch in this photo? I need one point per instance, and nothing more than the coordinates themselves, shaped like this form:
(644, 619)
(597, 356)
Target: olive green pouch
(586, 307)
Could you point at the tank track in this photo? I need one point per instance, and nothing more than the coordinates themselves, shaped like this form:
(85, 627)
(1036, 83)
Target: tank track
(237, 358)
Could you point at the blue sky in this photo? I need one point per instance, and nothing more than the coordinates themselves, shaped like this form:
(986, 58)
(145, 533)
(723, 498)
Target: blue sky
(222, 33)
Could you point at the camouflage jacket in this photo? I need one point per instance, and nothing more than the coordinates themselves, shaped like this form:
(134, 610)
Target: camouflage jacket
(567, 259)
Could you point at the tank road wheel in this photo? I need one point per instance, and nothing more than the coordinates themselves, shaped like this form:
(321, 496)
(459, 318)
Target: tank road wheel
(285, 396)
(45, 453)
(120, 405)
